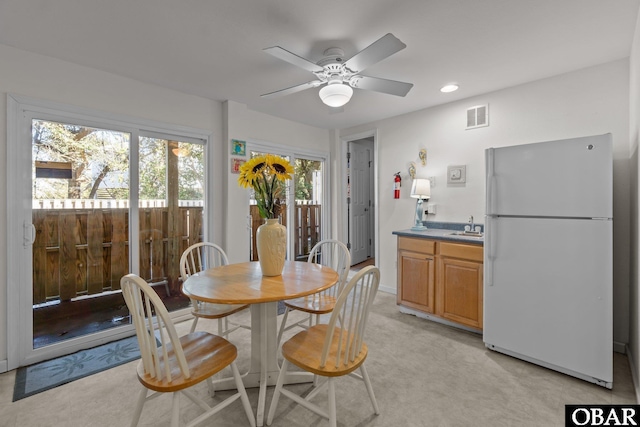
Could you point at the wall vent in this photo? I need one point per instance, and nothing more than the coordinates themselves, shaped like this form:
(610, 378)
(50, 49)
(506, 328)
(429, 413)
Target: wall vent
(478, 116)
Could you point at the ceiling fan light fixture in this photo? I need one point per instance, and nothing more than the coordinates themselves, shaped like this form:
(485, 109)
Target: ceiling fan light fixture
(335, 94)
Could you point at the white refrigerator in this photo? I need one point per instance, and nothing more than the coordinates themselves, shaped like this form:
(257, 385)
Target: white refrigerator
(548, 255)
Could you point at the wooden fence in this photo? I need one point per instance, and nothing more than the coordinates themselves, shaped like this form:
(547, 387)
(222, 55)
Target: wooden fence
(86, 251)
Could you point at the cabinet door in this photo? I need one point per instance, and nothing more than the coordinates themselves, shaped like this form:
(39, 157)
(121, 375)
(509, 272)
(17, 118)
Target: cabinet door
(416, 280)
(459, 292)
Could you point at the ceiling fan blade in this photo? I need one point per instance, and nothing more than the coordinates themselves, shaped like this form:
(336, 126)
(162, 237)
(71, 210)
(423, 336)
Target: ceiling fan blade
(293, 89)
(375, 52)
(391, 87)
(292, 58)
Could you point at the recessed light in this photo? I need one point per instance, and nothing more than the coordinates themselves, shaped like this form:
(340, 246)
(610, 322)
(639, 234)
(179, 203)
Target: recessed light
(449, 88)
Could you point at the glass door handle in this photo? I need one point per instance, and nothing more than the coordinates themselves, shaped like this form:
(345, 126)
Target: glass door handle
(29, 234)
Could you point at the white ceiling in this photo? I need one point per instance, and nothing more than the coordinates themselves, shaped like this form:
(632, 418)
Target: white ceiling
(213, 48)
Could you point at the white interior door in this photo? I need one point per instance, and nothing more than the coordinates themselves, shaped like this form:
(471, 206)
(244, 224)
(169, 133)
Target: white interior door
(360, 207)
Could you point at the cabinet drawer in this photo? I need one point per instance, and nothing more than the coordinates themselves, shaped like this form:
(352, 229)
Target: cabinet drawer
(457, 250)
(417, 245)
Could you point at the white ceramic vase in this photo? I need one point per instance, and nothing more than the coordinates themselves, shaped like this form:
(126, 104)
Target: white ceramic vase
(271, 240)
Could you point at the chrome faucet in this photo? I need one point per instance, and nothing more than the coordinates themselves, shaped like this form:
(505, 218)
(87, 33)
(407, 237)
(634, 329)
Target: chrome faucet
(471, 223)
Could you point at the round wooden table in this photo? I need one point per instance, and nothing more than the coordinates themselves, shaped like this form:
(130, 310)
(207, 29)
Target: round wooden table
(243, 283)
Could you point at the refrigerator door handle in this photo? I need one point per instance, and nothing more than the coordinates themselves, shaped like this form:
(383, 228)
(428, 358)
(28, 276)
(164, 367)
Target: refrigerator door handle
(489, 235)
(489, 167)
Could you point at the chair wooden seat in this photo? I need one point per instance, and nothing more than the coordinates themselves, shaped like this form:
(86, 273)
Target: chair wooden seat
(216, 311)
(314, 304)
(302, 351)
(206, 355)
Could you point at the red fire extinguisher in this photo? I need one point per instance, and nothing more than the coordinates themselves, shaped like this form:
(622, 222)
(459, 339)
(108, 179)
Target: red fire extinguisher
(397, 181)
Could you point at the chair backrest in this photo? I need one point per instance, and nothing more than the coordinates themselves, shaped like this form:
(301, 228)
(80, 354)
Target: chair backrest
(351, 313)
(333, 254)
(201, 256)
(149, 315)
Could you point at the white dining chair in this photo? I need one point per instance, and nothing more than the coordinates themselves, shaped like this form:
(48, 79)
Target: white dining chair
(198, 257)
(177, 363)
(332, 351)
(330, 253)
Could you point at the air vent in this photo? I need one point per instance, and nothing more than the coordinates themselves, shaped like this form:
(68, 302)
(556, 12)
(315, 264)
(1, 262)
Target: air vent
(478, 116)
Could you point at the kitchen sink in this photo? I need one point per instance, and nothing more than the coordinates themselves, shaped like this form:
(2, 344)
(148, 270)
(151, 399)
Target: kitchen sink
(466, 233)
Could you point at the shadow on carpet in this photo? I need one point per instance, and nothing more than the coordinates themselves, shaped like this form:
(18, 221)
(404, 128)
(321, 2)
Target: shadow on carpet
(42, 376)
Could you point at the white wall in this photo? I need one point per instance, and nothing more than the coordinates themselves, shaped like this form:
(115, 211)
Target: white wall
(634, 129)
(49, 79)
(587, 102)
(248, 125)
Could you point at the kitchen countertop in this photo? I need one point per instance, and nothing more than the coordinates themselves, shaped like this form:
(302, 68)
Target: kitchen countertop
(443, 231)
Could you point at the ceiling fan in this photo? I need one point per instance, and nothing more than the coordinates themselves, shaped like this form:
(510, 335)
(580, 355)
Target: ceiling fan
(341, 76)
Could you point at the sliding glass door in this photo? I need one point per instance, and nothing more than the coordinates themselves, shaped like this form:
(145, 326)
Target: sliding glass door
(171, 203)
(92, 202)
(81, 209)
(304, 205)
(308, 190)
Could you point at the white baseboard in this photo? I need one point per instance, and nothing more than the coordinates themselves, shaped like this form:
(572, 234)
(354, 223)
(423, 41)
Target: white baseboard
(634, 375)
(388, 289)
(4, 366)
(619, 347)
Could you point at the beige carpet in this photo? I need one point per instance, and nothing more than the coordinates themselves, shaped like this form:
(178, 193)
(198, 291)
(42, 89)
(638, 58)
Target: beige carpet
(423, 374)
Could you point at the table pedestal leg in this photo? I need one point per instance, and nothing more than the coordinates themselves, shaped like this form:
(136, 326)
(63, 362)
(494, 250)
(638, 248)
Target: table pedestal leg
(264, 368)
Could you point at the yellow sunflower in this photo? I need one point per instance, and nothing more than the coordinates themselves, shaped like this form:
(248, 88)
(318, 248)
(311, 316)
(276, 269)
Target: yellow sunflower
(251, 170)
(266, 174)
(280, 167)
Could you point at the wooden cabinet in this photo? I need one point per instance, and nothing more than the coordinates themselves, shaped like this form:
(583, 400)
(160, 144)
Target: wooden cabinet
(459, 284)
(441, 278)
(417, 271)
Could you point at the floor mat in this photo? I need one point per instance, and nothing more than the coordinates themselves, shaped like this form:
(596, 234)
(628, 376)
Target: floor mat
(46, 375)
